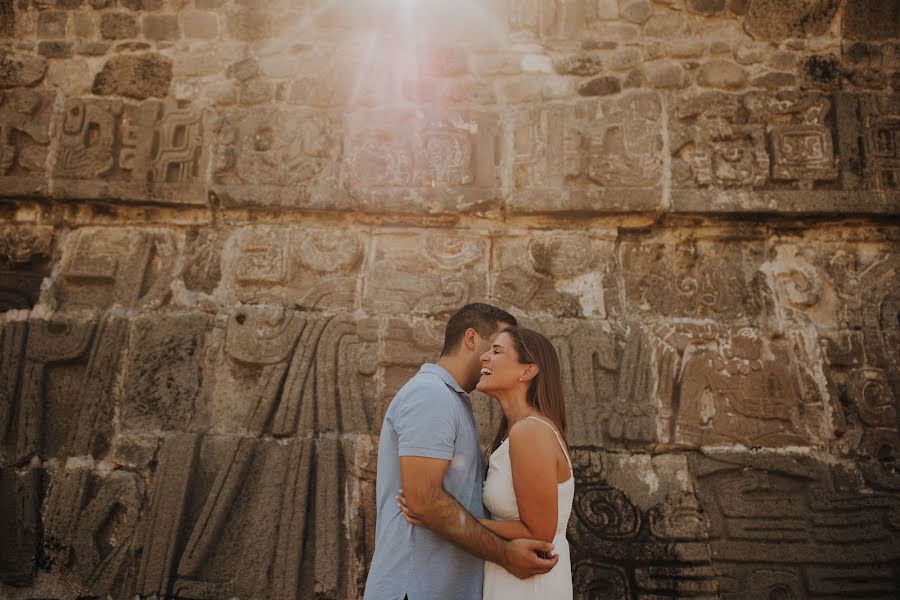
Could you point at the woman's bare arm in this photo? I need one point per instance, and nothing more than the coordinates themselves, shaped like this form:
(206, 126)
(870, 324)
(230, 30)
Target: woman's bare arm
(533, 452)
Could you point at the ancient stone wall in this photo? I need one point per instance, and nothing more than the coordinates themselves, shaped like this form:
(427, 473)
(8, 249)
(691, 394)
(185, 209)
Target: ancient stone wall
(231, 229)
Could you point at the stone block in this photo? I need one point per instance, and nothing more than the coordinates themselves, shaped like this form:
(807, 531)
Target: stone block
(665, 75)
(846, 288)
(61, 402)
(782, 145)
(400, 160)
(556, 274)
(52, 24)
(200, 24)
(161, 27)
(152, 150)
(118, 26)
(163, 371)
(600, 86)
(308, 268)
(89, 525)
(7, 18)
(83, 25)
(425, 272)
(555, 19)
(588, 156)
(696, 277)
(722, 74)
(20, 517)
(868, 127)
(777, 20)
(135, 76)
(274, 157)
(706, 7)
(635, 11)
(19, 70)
(55, 49)
(579, 64)
(268, 493)
(807, 506)
(129, 267)
(25, 117)
(142, 5)
(284, 372)
(871, 20)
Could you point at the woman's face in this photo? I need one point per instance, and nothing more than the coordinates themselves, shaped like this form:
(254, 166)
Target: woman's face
(500, 367)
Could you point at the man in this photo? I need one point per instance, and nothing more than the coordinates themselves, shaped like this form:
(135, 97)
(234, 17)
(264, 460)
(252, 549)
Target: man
(429, 448)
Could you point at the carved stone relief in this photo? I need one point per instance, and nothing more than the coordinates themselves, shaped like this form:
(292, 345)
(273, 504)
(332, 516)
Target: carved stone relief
(307, 268)
(583, 156)
(133, 152)
(397, 160)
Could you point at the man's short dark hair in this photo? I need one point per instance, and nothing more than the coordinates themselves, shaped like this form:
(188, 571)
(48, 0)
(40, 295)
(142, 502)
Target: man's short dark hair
(481, 317)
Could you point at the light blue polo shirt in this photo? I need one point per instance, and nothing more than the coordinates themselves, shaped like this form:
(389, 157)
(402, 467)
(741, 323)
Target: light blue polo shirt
(430, 416)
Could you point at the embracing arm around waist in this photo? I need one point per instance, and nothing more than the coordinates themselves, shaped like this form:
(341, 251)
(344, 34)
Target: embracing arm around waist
(441, 513)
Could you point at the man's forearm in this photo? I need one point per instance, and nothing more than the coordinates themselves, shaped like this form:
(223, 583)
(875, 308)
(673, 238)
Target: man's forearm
(447, 518)
(508, 530)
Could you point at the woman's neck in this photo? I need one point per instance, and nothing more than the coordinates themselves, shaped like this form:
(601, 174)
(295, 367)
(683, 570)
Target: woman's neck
(515, 406)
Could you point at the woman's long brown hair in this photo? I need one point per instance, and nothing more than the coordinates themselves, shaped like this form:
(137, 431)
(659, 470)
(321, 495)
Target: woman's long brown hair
(545, 392)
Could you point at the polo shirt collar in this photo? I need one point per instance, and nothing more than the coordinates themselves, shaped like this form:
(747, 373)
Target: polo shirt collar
(445, 376)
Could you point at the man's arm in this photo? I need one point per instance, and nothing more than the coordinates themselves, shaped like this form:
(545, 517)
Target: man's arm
(438, 511)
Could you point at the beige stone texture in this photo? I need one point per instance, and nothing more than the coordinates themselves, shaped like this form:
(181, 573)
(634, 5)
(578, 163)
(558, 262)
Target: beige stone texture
(231, 230)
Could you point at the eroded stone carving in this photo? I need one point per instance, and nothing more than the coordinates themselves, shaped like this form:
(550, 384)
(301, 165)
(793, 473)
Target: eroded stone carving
(309, 268)
(559, 273)
(138, 152)
(426, 273)
(402, 159)
(702, 277)
(587, 149)
(131, 267)
(270, 157)
(25, 117)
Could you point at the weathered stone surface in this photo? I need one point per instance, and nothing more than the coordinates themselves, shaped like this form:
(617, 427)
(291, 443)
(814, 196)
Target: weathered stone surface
(20, 518)
(689, 278)
(550, 273)
(600, 86)
(25, 117)
(148, 151)
(780, 19)
(403, 160)
(20, 70)
(162, 375)
(59, 400)
(585, 64)
(118, 26)
(871, 19)
(313, 268)
(722, 74)
(141, 76)
(272, 157)
(161, 27)
(214, 279)
(589, 150)
(127, 267)
(456, 273)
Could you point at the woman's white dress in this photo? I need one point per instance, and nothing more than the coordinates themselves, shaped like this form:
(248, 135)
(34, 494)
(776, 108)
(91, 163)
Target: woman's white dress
(500, 500)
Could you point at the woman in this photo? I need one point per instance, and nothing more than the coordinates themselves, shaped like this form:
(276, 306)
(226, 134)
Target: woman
(529, 487)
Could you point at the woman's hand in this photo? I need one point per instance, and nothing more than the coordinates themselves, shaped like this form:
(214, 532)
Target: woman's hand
(404, 508)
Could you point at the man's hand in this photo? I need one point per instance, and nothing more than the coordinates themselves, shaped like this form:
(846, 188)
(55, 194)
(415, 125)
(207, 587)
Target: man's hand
(522, 560)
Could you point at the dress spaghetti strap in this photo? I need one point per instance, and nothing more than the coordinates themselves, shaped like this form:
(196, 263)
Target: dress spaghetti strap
(558, 438)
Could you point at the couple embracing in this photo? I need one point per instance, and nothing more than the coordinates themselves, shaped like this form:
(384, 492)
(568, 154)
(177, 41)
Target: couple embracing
(443, 530)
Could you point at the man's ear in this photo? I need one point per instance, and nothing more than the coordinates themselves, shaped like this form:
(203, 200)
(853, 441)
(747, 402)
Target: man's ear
(470, 340)
(531, 371)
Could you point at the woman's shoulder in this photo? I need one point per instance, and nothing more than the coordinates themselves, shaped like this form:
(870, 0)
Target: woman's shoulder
(532, 429)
